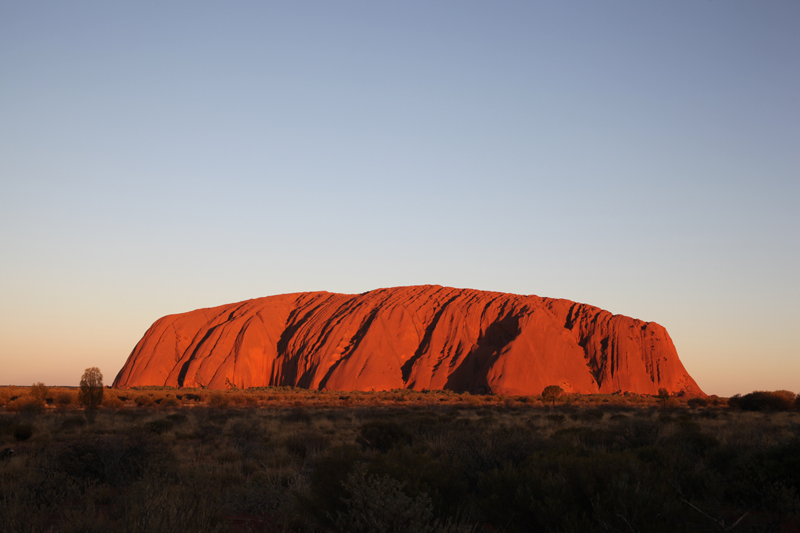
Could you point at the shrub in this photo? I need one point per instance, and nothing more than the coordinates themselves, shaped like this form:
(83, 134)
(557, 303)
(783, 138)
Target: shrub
(159, 426)
(588, 415)
(297, 415)
(326, 491)
(189, 396)
(551, 393)
(788, 398)
(734, 402)
(781, 400)
(170, 401)
(713, 399)
(697, 402)
(238, 399)
(112, 401)
(26, 405)
(23, 432)
(672, 402)
(378, 504)
(250, 400)
(158, 398)
(40, 391)
(306, 444)
(145, 400)
(424, 472)
(382, 435)
(663, 396)
(152, 505)
(637, 433)
(115, 460)
(220, 400)
(178, 418)
(6, 425)
(64, 399)
(472, 400)
(73, 422)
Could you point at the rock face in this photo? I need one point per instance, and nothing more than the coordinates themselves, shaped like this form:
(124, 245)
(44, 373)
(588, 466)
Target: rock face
(426, 337)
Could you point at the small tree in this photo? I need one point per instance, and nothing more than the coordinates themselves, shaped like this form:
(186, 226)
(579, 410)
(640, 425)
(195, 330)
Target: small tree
(552, 393)
(40, 391)
(663, 395)
(91, 393)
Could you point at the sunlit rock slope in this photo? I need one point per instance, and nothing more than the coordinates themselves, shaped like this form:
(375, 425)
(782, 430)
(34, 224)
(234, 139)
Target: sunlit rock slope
(425, 337)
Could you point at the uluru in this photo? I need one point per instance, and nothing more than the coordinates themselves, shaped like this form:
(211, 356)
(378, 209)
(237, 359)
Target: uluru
(421, 337)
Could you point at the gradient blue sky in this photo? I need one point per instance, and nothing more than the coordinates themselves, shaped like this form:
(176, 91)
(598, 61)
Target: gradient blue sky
(161, 157)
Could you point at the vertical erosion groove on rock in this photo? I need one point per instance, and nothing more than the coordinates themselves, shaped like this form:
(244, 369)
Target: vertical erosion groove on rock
(426, 337)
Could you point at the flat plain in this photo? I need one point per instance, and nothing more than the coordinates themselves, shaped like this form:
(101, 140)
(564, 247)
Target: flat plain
(279, 459)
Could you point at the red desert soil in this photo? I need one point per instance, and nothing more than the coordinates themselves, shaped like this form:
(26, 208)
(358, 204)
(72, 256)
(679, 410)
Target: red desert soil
(426, 337)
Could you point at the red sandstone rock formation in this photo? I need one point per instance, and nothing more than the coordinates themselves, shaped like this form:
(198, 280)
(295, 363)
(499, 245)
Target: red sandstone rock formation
(426, 337)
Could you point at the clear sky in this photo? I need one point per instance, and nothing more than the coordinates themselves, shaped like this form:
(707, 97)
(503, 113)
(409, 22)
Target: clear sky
(158, 157)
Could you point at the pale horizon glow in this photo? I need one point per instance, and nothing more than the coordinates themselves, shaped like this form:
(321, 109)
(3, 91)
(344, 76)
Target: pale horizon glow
(644, 159)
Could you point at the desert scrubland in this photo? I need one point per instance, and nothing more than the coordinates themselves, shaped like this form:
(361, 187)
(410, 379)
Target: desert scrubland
(280, 459)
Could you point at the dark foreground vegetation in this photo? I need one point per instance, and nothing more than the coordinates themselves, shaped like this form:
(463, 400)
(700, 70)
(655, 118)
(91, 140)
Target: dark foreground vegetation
(158, 459)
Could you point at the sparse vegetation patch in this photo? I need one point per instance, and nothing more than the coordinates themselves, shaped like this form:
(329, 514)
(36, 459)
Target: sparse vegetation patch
(307, 461)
